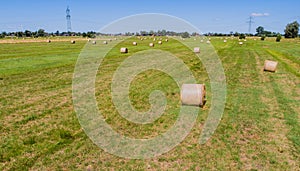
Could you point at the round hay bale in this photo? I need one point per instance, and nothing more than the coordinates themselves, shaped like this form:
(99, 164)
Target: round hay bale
(160, 42)
(196, 49)
(270, 66)
(110, 40)
(240, 43)
(124, 50)
(134, 43)
(94, 42)
(151, 44)
(73, 42)
(48, 41)
(193, 94)
(225, 41)
(154, 39)
(166, 40)
(104, 42)
(208, 42)
(201, 41)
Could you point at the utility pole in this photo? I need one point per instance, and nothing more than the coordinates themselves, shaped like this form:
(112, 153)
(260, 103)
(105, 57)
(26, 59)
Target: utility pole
(250, 23)
(69, 28)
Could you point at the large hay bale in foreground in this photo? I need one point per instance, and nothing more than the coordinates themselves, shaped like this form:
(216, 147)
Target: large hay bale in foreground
(73, 41)
(151, 44)
(270, 66)
(197, 49)
(124, 50)
(134, 43)
(193, 94)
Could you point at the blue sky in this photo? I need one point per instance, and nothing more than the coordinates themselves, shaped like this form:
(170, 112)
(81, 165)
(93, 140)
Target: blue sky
(209, 15)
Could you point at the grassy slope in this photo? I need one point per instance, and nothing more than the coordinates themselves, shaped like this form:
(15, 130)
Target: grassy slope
(259, 129)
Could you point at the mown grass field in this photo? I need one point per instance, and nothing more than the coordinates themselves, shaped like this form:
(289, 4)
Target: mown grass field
(259, 130)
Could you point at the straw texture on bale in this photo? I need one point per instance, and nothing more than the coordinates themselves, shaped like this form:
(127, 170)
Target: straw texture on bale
(151, 44)
(270, 66)
(193, 94)
(196, 50)
(124, 50)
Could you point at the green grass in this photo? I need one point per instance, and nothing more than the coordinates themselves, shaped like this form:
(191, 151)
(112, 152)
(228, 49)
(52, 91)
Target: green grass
(259, 130)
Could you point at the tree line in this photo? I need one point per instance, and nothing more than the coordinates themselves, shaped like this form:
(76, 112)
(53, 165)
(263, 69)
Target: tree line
(43, 33)
(291, 31)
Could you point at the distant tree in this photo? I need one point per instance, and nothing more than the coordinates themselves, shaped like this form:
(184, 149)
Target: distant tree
(163, 32)
(151, 32)
(144, 33)
(91, 34)
(185, 35)
(127, 34)
(260, 31)
(57, 33)
(19, 34)
(278, 38)
(195, 34)
(27, 33)
(242, 36)
(84, 34)
(41, 33)
(3, 34)
(291, 30)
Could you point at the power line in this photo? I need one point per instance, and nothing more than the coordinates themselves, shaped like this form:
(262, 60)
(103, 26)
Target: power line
(250, 23)
(69, 28)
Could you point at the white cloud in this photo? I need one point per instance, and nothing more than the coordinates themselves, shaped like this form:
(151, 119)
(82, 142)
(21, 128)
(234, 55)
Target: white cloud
(259, 14)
